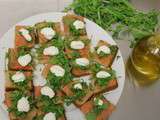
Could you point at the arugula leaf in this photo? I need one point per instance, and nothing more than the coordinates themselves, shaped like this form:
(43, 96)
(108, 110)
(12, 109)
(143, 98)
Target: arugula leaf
(54, 81)
(75, 54)
(78, 94)
(74, 31)
(91, 116)
(99, 109)
(95, 67)
(105, 81)
(50, 105)
(23, 51)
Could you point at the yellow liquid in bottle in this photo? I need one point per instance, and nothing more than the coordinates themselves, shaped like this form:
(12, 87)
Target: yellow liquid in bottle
(143, 65)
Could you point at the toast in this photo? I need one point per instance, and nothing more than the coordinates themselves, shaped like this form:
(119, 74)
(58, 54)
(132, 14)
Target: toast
(80, 67)
(72, 53)
(13, 63)
(44, 57)
(11, 99)
(58, 98)
(78, 96)
(106, 84)
(94, 111)
(55, 26)
(105, 59)
(69, 28)
(26, 84)
(112, 84)
(20, 40)
(56, 82)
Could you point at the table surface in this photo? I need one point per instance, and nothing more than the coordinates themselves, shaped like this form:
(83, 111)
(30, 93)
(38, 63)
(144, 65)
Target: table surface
(135, 103)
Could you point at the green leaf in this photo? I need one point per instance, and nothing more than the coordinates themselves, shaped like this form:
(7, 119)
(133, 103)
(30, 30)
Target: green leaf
(91, 116)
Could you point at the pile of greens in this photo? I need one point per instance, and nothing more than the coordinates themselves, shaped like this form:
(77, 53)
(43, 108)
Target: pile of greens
(118, 13)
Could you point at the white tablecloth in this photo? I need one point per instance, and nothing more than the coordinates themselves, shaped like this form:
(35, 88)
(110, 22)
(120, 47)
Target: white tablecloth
(135, 104)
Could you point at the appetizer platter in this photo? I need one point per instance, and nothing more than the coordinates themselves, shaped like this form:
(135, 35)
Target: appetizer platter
(58, 66)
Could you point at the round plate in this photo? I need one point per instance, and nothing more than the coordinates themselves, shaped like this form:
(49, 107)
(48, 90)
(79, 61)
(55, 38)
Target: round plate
(94, 32)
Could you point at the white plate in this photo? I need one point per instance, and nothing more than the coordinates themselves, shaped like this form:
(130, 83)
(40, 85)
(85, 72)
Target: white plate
(94, 32)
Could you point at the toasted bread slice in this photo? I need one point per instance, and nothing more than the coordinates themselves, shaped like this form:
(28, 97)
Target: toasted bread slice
(9, 102)
(10, 85)
(102, 85)
(58, 95)
(44, 59)
(56, 84)
(106, 60)
(55, 26)
(78, 72)
(68, 21)
(112, 84)
(78, 101)
(85, 52)
(20, 40)
(89, 106)
(13, 61)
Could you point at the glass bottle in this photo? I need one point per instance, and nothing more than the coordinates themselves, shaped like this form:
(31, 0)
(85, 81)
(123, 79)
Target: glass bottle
(144, 63)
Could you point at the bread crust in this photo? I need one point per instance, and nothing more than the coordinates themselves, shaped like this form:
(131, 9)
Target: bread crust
(67, 90)
(8, 103)
(108, 60)
(88, 107)
(13, 62)
(110, 86)
(66, 26)
(20, 40)
(10, 86)
(41, 38)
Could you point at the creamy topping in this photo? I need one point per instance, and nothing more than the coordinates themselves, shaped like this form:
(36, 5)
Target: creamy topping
(26, 34)
(102, 74)
(98, 101)
(49, 116)
(103, 49)
(18, 77)
(79, 24)
(82, 61)
(77, 45)
(24, 60)
(57, 70)
(78, 86)
(23, 105)
(52, 50)
(48, 33)
(47, 91)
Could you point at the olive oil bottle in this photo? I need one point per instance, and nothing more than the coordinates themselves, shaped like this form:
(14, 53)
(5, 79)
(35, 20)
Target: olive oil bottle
(144, 63)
